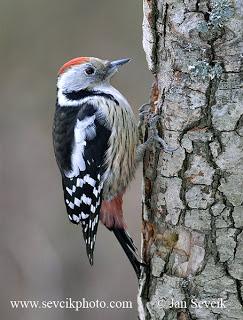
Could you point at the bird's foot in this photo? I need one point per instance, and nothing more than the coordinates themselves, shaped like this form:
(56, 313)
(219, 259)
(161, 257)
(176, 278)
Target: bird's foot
(162, 144)
(144, 111)
(151, 120)
(155, 138)
(159, 142)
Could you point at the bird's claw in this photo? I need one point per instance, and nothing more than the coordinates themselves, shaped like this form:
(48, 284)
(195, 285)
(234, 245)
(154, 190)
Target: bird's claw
(153, 119)
(144, 111)
(164, 145)
(155, 138)
(142, 108)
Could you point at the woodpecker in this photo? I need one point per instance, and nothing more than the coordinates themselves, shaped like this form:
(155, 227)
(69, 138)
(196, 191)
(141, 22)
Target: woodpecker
(96, 146)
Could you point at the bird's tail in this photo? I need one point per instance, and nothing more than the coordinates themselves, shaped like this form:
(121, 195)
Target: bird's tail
(131, 251)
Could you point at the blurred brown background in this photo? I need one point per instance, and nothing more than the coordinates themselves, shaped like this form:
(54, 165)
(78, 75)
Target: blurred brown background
(41, 254)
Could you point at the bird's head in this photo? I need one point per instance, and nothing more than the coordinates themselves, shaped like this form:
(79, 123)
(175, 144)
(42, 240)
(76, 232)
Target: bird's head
(86, 73)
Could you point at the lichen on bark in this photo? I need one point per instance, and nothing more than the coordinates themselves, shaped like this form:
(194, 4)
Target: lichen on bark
(192, 207)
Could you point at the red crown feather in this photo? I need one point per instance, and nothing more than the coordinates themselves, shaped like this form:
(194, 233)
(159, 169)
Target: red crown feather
(73, 62)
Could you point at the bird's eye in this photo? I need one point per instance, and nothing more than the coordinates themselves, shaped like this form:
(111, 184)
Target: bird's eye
(89, 70)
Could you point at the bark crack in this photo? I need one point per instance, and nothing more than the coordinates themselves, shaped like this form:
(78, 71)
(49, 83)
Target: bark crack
(165, 23)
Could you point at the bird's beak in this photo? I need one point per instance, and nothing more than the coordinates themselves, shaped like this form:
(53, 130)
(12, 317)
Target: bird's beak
(118, 63)
(113, 66)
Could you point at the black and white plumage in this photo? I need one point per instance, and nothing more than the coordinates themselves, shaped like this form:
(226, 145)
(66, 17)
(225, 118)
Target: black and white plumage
(80, 142)
(95, 141)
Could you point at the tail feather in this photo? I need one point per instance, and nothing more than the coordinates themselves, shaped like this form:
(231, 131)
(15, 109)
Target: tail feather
(130, 249)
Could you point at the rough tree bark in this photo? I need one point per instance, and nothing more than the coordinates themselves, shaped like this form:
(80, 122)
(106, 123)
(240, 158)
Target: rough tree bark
(192, 208)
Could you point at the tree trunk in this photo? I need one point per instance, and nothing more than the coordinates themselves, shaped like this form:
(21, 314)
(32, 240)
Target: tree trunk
(192, 208)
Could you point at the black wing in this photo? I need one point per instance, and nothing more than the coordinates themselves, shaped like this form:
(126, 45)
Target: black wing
(82, 172)
(82, 196)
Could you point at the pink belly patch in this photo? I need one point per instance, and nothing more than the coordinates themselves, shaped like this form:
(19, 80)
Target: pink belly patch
(111, 213)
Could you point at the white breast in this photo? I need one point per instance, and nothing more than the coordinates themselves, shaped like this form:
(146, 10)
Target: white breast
(121, 154)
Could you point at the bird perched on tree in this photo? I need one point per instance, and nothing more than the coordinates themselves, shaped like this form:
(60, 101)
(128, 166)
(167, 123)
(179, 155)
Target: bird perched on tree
(96, 147)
